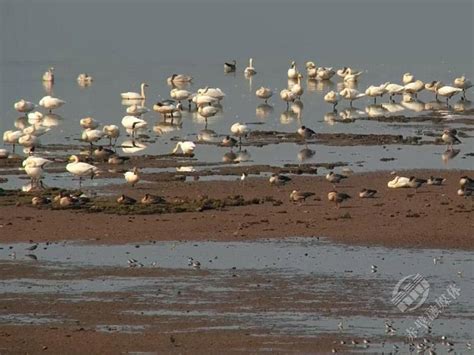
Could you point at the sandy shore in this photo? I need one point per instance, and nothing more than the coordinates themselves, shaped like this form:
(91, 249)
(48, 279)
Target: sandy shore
(434, 217)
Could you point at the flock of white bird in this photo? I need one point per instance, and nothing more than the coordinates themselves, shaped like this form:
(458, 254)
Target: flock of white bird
(207, 101)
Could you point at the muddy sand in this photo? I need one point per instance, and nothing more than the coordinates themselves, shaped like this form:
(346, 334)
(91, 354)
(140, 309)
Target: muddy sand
(431, 217)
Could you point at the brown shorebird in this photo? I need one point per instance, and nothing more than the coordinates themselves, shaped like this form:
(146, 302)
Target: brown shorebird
(367, 193)
(277, 179)
(338, 197)
(126, 200)
(298, 196)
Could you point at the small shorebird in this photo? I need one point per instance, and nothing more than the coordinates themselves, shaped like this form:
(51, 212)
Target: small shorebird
(132, 176)
(103, 154)
(277, 179)
(306, 133)
(416, 182)
(338, 197)
(151, 199)
(194, 263)
(230, 67)
(298, 196)
(229, 141)
(117, 160)
(40, 201)
(367, 193)
(435, 181)
(449, 137)
(466, 181)
(126, 200)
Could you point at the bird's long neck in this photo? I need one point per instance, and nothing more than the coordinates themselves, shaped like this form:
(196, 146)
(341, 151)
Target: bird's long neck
(178, 145)
(143, 90)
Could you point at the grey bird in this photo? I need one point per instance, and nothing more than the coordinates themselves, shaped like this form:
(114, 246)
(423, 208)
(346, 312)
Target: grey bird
(416, 183)
(367, 193)
(298, 196)
(334, 178)
(277, 179)
(306, 133)
(338, 197)
(435, 181)
(126, 200)
(449, 137)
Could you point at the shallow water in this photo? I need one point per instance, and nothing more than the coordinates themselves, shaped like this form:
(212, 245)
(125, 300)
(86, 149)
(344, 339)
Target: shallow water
(119, 62)
(304, 273)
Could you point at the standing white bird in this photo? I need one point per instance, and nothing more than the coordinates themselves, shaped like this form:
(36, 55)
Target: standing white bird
(34, 171)
(293, 71)
(132, 176)
(130, 95)
(394, 89)
(462, 83)
(240, 130)
(51, 103)
(448, 92)
(11, 137)
(204, 100)
(49, 75)
(250, 70)
(311, 70)
(332, 97)
(179, 78)
(408, 78)
(323, 73)
(28, 140)
(187, 147)
(181, 94)
(433, 87)
(112, 132)
(90, 135)
(351, 94)
(374, 91)
(297, 89)
(414, 87)
(264, 93)
(133, 123)
(24, 106)
(81, 169)
(212, 92)
(287, 96)
(207, 111)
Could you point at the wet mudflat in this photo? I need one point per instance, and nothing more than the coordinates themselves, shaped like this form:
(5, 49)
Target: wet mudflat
(292, 288)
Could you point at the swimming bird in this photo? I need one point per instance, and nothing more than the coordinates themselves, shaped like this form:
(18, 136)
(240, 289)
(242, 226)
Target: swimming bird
(306, 133)
(187, 147)
(111, 131)
(126, 200)
(130, 95)
(338, 197)
(51, 103)
(81, 169)
(84, 79)
(49, 75)
(230, 67)
(24, 106)
(394, 89)
(398, 182)
(137, 110)
(149, 199)
(264, 93)
(334, 178)
(179, 78)
(332, 97)
(133, 123)
(293, 71)
(240, 130)
(351, 94)
(132, 177)
(414, 87)
(298, 196)
(374, 91)
(448, 92)
(311, 70)
(323, 73)
(89, 123)
(449, 137)
(278, 180)
(250, 70)
(435, 181)
(433, 86)
(408, 78)
(462, 83)
(287, 96)
(367, 193)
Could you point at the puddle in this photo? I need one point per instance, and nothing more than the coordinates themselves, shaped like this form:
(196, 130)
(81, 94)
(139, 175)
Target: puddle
(29, 318)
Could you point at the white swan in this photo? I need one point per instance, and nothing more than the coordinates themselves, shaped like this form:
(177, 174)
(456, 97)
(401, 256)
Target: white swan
(24, 106)
(414, 87)
(287, 96)
(130, 95)
(179, 94)
(81, 169)
(11, 137)
(462, 83)
(433, 87)
(132, 176)
(332, 97)
(179, 78)
(166, 108)
(49, 75)
(399, 182)
(112, 132)
(264, 93)
(292, 71)
(133, 123)
(36, 129)
(137, 110)
(28, 140)
(448, 91)
(240, 130)
(34, 117)
(34, 171)
(213, 92)
(297, 89)
(89, 122)
(351, 94)
(394, 89)
(51, 103)
(411, 103)
(311, 70)
(84, 79)
(186, 147)
(207, 111)
(202, 100)
(90, 135)
(36, 161)
(349, 74)
(408, 78)
(250, 70)
(323, 73)
(374, 91)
